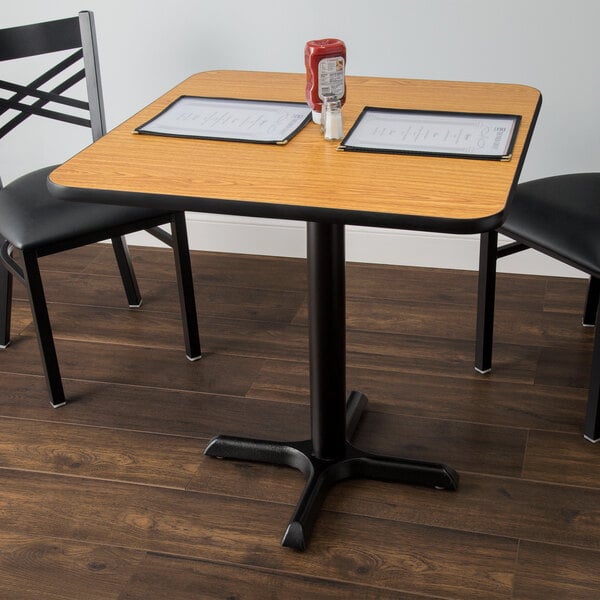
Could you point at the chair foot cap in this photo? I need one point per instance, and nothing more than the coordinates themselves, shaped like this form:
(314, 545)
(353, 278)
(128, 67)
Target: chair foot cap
(193, 358)
(589, 439)
(483, 371)
(4, 346)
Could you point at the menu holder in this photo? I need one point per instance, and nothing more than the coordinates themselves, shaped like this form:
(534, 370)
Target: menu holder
(433, 133)
(229, 119)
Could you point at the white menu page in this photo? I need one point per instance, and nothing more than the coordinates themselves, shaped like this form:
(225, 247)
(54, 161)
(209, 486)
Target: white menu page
(230, 119)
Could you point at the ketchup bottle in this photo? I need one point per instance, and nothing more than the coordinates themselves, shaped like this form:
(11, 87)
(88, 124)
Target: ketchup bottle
(325, 62)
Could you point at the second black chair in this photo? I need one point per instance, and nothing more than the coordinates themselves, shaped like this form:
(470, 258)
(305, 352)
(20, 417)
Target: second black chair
(38, 224)
(559, 216)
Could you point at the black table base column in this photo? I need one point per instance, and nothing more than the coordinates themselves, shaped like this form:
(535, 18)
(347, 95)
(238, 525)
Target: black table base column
(328, 457)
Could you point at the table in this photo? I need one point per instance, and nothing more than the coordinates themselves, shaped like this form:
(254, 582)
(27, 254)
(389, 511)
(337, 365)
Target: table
(310, 180)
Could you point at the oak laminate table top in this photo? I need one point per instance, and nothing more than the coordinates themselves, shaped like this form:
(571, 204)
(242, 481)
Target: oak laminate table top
(309, 179)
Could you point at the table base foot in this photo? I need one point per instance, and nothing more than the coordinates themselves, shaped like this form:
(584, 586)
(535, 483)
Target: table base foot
(321, 474)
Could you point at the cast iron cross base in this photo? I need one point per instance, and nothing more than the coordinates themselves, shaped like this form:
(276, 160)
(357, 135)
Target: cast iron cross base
(321, 474)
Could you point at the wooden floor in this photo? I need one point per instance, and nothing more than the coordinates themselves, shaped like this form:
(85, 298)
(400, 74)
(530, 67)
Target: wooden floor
(110, 497)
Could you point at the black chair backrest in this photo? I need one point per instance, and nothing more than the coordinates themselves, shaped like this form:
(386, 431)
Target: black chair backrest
(75, 33)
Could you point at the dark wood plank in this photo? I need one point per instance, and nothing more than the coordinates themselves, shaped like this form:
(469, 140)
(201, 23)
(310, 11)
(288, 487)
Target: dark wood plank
(158, 329)
(565, 367)
(565, 459)
(357, 550)
(492, 505)
(545, 571)
(77, 260)
(247, 303)
(160, 295)
(163, 577)
(214, 268)
(104, 453)
(410, 284)
(98, 324)
(500, 506)
(426, 355)
(137, 365)
(438, 320)
(565, 294)
(466, 446)
(544, 329)
(20, 317)
(445, 286)
(148, 409)
(149, 263)
(33, 567)
(474, 398)
(566, 330)
(438, 356)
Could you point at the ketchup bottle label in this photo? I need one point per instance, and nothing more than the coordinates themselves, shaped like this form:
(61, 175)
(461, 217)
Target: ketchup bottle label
(331, 76)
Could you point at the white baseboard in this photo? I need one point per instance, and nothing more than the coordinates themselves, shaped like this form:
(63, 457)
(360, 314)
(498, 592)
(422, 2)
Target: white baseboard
(220, 233)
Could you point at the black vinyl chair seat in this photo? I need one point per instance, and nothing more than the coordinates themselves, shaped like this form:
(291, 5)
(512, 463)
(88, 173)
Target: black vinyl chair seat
(32, 217)
(559, 216)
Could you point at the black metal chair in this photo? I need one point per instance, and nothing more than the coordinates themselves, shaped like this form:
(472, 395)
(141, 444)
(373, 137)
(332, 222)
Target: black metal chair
(559, 216)
(36, 223)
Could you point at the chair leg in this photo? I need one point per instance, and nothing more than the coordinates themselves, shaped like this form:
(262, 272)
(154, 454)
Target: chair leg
(134, 298)
(185, 285)
(486, 293)
(6, 280)
(591, 302)
(592, 417)
(41, 321)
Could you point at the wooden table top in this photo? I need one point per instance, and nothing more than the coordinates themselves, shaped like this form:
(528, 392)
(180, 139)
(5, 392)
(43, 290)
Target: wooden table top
(308, 179)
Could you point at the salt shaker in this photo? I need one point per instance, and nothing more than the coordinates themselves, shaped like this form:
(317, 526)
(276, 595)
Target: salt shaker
(331, 119)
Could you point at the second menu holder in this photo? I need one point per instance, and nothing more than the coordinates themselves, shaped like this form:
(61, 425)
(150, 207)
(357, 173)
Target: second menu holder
(465, 135)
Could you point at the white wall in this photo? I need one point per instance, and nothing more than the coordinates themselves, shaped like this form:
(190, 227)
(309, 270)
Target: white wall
(148, 46)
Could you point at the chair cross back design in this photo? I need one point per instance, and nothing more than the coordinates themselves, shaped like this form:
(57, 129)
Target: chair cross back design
(38, 224)
(23, 43)
(558, 216)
